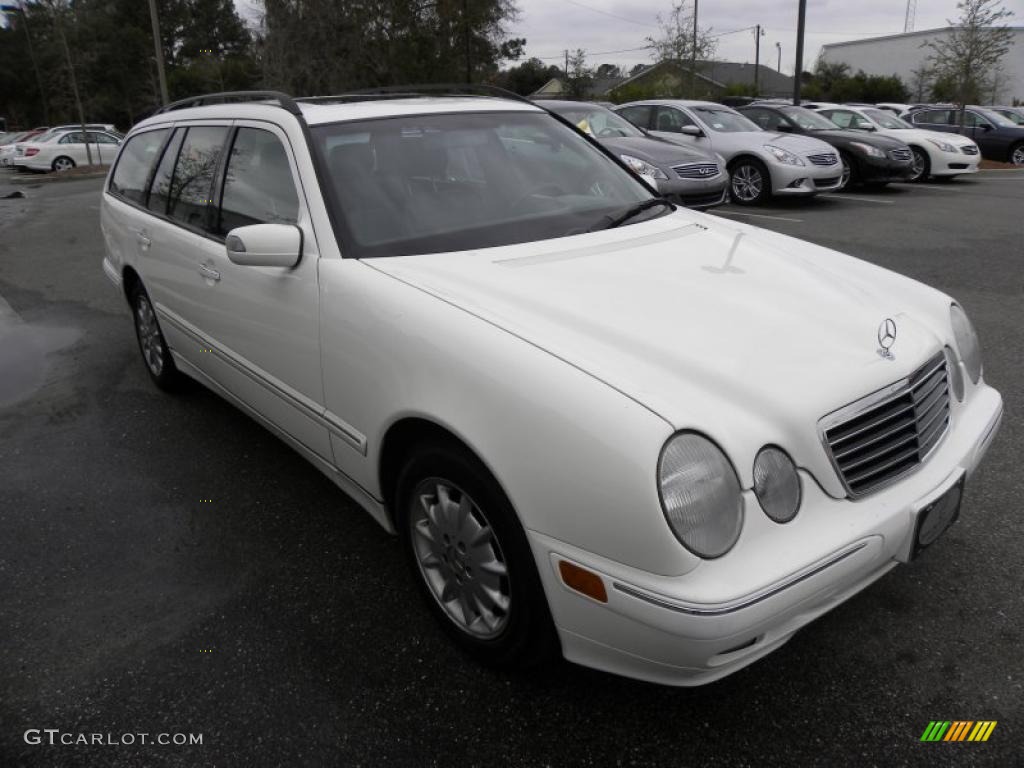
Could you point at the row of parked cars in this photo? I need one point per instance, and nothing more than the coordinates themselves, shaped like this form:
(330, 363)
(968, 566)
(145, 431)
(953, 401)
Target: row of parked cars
(699, 153)
(60, 148)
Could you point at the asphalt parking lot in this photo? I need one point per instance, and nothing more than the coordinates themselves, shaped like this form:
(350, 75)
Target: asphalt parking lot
(168, 566)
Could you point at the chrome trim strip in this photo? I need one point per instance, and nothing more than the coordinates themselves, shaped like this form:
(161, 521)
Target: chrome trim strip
(300, 402)
(721, 609)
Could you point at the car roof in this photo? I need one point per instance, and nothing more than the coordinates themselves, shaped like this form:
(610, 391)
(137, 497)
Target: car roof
(557, 104)
(341, 111)
(681, 103)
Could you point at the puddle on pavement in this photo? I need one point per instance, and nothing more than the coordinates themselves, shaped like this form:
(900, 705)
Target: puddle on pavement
(25, 350)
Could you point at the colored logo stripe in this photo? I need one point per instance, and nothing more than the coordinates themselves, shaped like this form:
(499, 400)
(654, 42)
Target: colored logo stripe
(958, 730)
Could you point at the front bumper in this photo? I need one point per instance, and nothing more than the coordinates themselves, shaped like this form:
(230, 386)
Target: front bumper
(875, 169)
(954, 163)
(802, 180)
(696, 193)
(727, 613)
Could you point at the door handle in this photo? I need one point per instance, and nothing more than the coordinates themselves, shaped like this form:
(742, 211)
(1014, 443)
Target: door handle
(144, 239)
(209, 273)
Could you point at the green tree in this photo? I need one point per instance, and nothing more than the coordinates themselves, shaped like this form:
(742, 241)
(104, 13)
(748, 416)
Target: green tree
(527, 77)
(970, 55)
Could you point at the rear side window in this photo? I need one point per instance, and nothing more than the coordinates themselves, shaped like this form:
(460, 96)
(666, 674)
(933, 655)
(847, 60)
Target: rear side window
(161, 189)
(192, 182)
(640, 116)
(134, 164)
(258, 187)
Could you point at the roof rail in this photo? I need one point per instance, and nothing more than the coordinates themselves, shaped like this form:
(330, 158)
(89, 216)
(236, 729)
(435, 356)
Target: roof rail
(283, 99)
(421, 90)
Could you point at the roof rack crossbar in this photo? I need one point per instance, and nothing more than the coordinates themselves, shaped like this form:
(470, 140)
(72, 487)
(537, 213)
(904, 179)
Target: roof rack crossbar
(283, 99)
(414, 91)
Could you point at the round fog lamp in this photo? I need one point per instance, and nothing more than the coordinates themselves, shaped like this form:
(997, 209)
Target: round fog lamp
(776, 484)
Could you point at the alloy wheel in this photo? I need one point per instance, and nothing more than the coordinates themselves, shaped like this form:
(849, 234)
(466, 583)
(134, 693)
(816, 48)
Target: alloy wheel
(1017, 157)
(747, 183)
(845, 178)
(62, 164)
(149, 336)
(459, 558)
(917, 164)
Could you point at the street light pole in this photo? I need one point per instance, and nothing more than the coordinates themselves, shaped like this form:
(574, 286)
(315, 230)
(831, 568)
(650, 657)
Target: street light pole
(778, 47)
(802, 14)
(32, 56)
(757, 58)
(159, 50)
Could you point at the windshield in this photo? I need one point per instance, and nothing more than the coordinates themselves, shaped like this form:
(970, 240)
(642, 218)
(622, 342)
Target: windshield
(808, 120)
(724, 120)
(887, 119)
(418, 184)
(598, 122)
(1017, 118)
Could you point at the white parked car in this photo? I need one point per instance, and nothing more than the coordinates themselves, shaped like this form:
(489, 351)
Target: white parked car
(655, 439)
(761, 163)
(935, 153)
(63, 150)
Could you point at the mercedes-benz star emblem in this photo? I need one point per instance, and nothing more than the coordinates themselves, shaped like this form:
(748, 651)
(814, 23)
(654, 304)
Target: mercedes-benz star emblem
(886, 337)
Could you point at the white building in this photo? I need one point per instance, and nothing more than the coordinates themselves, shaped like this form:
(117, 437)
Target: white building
(902, 54)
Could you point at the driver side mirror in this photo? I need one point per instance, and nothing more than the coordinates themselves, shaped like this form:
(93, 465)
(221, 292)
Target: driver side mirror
(784, 128)
(985, 126)
(265, 245)
(691, 130)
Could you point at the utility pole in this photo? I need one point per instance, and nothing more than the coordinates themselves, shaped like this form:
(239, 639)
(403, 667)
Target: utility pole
(32, 55)
(566, 66)
(798, 70)
(757, 58)
(74, 80)
(159, 51)
(693, 55)
(778, 47)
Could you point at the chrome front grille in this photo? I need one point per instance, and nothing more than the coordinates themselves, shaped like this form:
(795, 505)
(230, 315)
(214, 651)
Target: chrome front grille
(969, 149)
(696, 171)
(881, 437)
(826, 158)
(901, 154)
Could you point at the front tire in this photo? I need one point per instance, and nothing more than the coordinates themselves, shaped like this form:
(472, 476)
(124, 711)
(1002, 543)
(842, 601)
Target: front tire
(749, 182)
(62, 164)
(152, 345)
(470, 557)
(921, 165)
(849, 176)
(1016, 155)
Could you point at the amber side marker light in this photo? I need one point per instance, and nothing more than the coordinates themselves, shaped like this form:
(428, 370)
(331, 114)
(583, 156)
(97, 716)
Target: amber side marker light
(583, 581)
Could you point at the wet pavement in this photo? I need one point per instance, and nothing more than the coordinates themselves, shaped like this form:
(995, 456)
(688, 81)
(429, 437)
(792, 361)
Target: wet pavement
(168, 566)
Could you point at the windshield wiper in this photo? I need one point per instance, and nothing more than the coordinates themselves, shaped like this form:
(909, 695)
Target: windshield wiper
(629, 213)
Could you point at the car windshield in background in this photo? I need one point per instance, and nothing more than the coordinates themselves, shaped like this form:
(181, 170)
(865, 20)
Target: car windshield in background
(996, 118)
(420, 184)
(886, 119)
(724, 120)
(808, 120)
(600, 123)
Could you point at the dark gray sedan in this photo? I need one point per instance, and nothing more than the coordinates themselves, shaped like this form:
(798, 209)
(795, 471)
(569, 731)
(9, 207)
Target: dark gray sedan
(691, 177)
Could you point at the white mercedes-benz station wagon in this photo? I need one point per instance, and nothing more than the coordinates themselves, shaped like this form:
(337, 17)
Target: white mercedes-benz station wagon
(655, 440)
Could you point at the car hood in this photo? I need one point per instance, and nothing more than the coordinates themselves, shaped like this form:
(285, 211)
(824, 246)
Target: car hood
(796, 143)
(841, 136)
(746, 335)
(657, 151)
(921, 134)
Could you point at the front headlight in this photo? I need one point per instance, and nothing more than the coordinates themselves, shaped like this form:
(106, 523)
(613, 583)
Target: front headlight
(867, 149)
(966, 342)
(783, 156)
(945, 146)
(700, 495)
(643, 167)
(776, 484)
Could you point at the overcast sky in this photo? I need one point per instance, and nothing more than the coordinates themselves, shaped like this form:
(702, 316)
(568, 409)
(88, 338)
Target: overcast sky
(550, 26)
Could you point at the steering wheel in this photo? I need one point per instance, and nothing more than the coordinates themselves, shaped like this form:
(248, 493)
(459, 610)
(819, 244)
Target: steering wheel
(540, 188)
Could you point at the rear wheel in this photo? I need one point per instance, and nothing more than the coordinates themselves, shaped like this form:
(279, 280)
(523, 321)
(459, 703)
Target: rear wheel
(470, 557)
(63, 163)
(155, 354)
(920, 166)
(749, 182)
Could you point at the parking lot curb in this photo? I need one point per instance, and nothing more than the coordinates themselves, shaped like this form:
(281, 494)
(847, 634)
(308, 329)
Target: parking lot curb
(56, 177)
